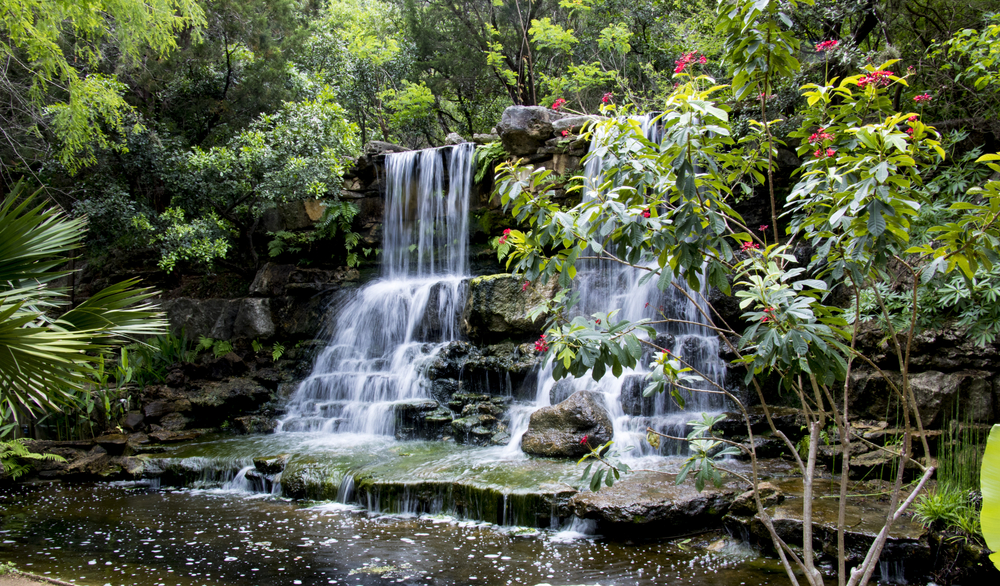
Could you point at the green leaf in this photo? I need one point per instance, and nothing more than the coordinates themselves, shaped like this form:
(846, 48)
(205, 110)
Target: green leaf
(990, 485)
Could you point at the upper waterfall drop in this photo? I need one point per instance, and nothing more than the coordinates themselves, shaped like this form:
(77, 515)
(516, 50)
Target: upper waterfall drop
(384, 335)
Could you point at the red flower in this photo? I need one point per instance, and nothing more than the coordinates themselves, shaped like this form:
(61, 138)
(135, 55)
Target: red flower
(880, 77)
(747, 246)
(606, 98)
(558, 103)
(830, 152)
(922, 98)
(826, 45)
(763, 227)
(583, 440)
(645, 213)
(687, 58)
(598, 322)
(702, 60)
(820, 135)
(912, 118)
(909, 131)
(506, 234)
(525, 286)
(541, 345)
(764, 319)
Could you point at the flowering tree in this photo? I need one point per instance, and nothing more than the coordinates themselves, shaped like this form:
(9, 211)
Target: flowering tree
(665, 209)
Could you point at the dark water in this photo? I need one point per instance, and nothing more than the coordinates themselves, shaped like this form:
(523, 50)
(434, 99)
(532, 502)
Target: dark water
(117, 534)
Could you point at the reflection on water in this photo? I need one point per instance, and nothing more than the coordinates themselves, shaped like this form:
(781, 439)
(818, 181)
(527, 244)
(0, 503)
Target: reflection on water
(126, 534)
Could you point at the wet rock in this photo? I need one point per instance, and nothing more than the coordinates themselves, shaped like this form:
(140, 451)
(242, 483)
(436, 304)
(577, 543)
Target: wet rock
(647, 503)
(379, 147)
(134, 466)
(523, 129)
(864, 519)
(745, 504)
(411, 418)
(454, 138)
(168, 437)
(113, 443)
(174, 422)
(157, 409)
(271, 464)
(475, 429)
(254, 424)
(485, 138)
(556, 431)
(497, 307)
(632, 400)
(193, 318)
(561, 391)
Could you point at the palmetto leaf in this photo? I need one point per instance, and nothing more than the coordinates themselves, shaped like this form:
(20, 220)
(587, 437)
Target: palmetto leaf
(45, 358)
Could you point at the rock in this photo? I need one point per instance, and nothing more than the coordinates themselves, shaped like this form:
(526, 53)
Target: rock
(497, 307)
(168, 437)
(574, 124)
(523, 129)
(631, 398)
(292, 215)
(475, 429)
(193, 318)
(485, 138)
(133, 420)
(648, 503)
(561, 390)
(454, 138)
(271, 464)
(174, 422)
(157, 409)
(556, 431)
(770, 495)
(113, 443)
(411, 418)
(253, 320)
(378, 147)
(967, 394)
(254, 424)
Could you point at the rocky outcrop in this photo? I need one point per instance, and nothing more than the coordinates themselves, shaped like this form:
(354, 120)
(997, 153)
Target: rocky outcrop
(570, 428)
(498, 307)
(966, 395)
(523, 129)
(652, 504)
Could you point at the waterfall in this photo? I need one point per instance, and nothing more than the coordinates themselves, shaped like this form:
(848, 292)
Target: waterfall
(387, 332)
(604, 286)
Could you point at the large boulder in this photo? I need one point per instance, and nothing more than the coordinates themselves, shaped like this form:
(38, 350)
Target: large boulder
(558, 430)
(940, 396)
(497, 307)
(524, 129)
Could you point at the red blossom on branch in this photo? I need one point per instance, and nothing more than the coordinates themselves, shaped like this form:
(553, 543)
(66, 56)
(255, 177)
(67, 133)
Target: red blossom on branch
(820, 135)
(878, 78)
(826, 46)
(912, 118)
(687, 58)
(747, 246)
(606, 98)
(584, 439)
(645, 213)
(541, 345)
(558, 103)
(525, 286)
(925, 97)
(506, 234)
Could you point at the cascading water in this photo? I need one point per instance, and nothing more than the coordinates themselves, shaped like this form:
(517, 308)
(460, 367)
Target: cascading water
(386, 333)
(604, 286)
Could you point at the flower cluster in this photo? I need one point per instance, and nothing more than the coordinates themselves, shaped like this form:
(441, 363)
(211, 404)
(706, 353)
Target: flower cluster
(922, 98)
(747, 246)
(820, 152)
(645, 213)
(558, 103)
(820, 135)
(826, 46)
(584, 439)
(688, 58)
(763, 227)
(525, 286)
(606, 98)
(876, 78)
(912, 118)
(541, 345)
(768, 314)
(909, 131)
(506, 235)
(565, 133)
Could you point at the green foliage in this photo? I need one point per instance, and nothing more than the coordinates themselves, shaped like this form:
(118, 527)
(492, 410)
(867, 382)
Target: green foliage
(970, 59)
(610, 467)
(13, 456)
(48, 351)
(198, 242)
(990, 486)
(7, 568)
(63, 84)
(487, 157)
(219, 348)
(947, 508)
(705, 452)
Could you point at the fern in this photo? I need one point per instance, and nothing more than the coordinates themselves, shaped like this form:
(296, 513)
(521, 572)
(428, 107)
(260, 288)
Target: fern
(12, 454)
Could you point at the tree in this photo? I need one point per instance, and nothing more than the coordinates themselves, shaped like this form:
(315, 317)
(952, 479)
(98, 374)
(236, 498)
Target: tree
(56, 78)
(666, 210)
(48, 349)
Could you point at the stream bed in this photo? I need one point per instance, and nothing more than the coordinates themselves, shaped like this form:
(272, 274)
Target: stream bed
(130, 533)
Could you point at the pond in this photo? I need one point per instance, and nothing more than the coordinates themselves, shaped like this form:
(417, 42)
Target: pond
(131, 533)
